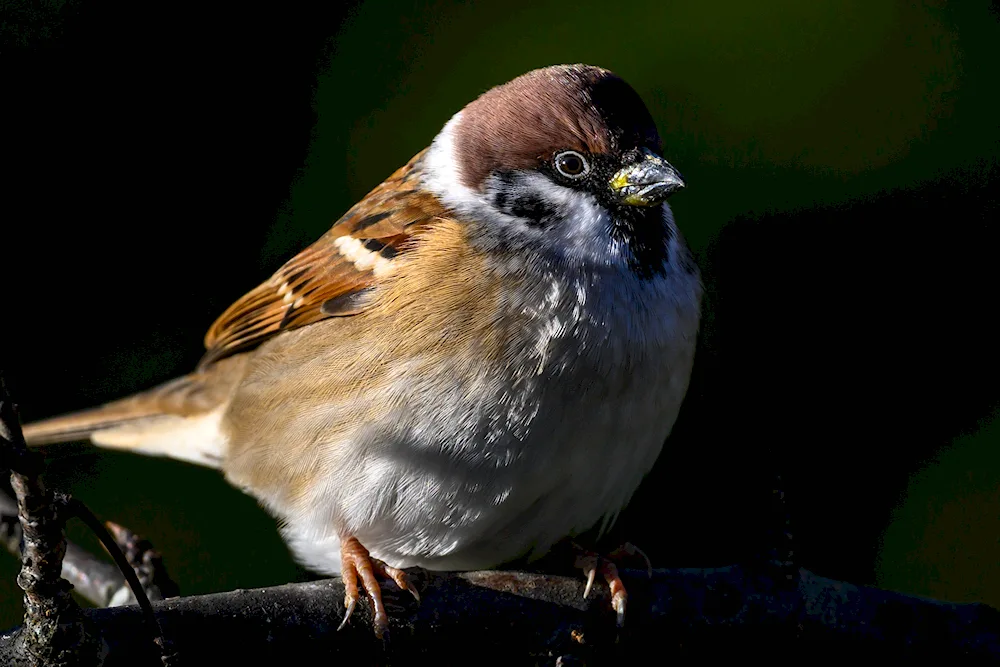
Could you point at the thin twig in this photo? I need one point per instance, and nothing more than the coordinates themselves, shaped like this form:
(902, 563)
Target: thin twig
(93, 578)
(146, 561)
(83, 513)
(96, 580)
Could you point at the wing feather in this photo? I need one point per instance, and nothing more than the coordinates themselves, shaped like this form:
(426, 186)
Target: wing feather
(328, 278)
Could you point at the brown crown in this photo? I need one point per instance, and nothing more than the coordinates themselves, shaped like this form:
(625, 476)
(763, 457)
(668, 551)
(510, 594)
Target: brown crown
(525, 121)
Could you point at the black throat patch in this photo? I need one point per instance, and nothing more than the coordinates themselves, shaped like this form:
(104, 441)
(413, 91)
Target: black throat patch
(642, 230)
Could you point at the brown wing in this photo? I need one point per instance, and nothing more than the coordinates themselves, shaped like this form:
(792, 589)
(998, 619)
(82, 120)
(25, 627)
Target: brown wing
(328, 278)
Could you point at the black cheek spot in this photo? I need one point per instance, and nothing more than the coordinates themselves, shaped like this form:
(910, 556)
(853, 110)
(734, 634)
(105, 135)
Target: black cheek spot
(504, 189)
(501, 199)
(533, 209)
(374, 245)
(512, 197)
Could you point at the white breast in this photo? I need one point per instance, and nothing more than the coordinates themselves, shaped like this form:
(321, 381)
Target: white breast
(544, 443)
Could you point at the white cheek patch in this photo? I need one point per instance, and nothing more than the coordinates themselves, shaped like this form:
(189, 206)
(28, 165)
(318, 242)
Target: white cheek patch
(441, 173)
(580, 212)
(583, 230)
(582, 233)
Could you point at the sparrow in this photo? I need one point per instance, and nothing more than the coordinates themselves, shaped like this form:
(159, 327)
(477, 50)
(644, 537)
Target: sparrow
(482, 357)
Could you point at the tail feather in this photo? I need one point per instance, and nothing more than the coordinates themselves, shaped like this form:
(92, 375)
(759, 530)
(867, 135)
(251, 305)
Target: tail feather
(180, 419)
(83, 424)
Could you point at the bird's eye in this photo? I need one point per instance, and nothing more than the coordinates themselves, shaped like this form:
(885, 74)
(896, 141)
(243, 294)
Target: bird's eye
(571, 164)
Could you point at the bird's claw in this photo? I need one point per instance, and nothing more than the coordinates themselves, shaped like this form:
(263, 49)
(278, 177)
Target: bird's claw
(591, 572)
(592, 564)
(618, 601)
(357, 562)
(349, 603)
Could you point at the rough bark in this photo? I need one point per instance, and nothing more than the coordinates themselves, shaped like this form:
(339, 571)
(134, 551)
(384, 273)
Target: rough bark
(54, 632)
(522, 618)
(94, 579)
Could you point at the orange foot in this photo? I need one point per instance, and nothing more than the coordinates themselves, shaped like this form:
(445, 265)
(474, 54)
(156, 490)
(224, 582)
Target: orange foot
(592, 563)
(357, 562)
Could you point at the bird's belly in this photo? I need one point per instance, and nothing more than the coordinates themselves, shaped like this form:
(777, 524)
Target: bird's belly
(465, 486)
(465, 452)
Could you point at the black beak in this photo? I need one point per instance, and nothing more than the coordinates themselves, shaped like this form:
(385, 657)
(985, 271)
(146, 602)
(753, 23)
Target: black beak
(646, 182)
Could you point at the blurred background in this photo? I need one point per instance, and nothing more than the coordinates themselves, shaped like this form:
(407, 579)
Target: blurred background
(841, 160)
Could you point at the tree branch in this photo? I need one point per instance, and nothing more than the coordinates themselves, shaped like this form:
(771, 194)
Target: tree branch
(96, 580)
(521, 618)
(54, 632)
(146, 562)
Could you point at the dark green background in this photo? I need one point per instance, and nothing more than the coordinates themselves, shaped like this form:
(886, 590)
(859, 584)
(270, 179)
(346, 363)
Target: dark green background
(841, 162)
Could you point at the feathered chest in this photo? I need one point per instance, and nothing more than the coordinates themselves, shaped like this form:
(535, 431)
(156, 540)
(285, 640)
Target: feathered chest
(515, 360)
(549, 426)
(472, 401)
